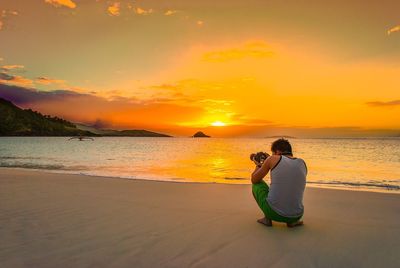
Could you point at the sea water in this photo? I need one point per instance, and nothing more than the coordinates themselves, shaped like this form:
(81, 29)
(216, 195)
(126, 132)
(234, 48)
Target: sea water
(363, 163)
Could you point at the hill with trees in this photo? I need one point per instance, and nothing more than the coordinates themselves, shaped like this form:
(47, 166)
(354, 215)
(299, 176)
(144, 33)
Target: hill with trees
(15, 121)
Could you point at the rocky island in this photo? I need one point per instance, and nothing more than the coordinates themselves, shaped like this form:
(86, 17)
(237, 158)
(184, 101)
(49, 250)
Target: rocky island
(200, 134)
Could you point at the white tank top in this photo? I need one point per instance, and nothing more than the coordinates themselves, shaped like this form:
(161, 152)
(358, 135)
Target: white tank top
(288, 180)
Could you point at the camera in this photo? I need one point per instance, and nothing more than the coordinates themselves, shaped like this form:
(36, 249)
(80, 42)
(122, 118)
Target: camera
(259, 157)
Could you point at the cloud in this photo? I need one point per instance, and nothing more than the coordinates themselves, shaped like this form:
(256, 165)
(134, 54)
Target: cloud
(14, 79)
(242, 119)
(394, 29)
(24, 96)
(5, 76)
(383, 103)
(60, 3)
(256, 49)
(8, 77)
(47, 81)
(166, 86)
(12, 67)
(170, 12)
(141, 11)
(218, 102)
(114, 9)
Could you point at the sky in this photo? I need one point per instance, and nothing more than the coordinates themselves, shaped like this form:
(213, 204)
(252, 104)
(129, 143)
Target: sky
(229, 68)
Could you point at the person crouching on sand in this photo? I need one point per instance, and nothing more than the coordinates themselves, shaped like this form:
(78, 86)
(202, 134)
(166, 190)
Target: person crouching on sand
(282, 201)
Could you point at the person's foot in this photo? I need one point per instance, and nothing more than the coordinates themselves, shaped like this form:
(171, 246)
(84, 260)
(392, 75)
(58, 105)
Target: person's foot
(294, 224)
(265, 221)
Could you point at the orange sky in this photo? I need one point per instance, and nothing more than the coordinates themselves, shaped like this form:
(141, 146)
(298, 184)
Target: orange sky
(230, 68)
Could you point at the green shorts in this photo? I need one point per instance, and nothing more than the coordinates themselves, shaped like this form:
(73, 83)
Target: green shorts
(260, 193)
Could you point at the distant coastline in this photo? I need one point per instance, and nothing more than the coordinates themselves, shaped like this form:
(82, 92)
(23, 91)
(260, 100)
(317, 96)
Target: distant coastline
(283, 136)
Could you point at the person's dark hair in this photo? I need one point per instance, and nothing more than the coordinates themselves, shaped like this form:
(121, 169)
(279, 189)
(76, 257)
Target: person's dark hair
(283, 146)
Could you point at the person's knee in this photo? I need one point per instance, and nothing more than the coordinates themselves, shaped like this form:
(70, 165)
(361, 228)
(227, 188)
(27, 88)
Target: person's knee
(254, 187)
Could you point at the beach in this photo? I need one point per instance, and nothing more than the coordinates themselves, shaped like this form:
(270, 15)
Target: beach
(64, 220)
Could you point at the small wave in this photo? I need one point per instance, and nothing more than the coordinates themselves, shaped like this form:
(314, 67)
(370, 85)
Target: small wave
(17, 157)
(359, 184)
(32, 166)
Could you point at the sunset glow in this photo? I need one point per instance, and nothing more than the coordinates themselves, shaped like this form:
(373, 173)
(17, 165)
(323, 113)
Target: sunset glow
(218, 124)
(177, 68)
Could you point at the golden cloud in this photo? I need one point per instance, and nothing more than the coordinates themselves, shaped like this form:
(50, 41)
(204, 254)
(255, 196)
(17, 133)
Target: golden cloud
(47, 81)
(166, 86)
(170, 12)
(256, 49)
(12, 67)
(4, 13)
(19, 80)
(250, 121)
(114, 9)
(15, 80)
(218, 102)
(141, 11)
(59, 3)
(394, 29)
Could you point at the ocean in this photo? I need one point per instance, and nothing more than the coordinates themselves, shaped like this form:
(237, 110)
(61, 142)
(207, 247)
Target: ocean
(358, 164)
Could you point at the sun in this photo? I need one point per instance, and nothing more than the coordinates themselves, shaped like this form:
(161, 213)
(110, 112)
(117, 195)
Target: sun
(218, 124)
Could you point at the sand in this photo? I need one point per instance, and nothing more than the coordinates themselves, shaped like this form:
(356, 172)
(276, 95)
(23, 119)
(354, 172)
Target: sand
(61, 220)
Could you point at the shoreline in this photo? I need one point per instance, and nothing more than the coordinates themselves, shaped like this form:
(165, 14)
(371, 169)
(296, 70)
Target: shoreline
(65, 220)
(312, 184)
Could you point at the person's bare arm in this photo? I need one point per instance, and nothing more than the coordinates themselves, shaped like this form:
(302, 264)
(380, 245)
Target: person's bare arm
(260, 172)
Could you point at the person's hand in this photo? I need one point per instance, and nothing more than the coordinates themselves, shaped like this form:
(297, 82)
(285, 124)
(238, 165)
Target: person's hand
(258, 164)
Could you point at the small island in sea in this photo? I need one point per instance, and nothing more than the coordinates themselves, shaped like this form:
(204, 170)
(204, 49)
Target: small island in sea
(200, 134)
(15, 121)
